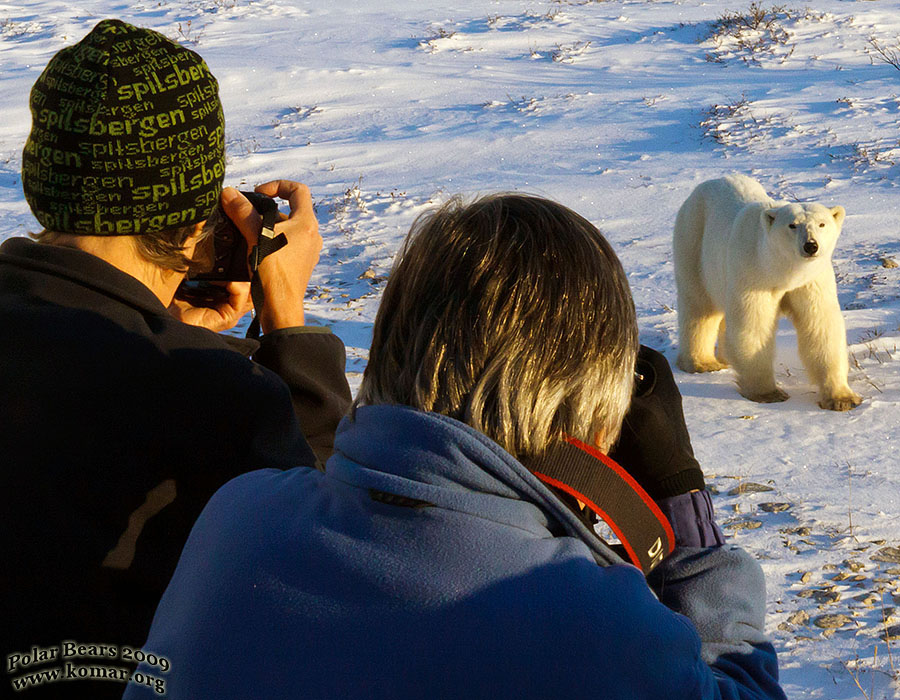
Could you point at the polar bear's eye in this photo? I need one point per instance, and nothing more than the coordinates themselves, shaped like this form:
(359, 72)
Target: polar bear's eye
(822, 225)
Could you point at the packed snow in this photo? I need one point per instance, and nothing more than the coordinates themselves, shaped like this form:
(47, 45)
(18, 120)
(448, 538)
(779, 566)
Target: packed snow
(617, 109)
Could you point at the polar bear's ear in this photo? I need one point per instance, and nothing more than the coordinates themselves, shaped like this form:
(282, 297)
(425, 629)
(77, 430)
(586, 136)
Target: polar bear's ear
(769, 217)
(838, 214)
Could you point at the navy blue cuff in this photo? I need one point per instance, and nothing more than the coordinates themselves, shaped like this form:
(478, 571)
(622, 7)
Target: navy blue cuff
(692, 519)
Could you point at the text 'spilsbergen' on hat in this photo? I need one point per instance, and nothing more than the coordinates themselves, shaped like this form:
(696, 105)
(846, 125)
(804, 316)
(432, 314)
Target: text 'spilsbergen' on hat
(127, 136)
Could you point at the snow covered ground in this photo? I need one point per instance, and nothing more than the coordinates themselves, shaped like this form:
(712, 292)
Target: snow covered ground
(617, 109)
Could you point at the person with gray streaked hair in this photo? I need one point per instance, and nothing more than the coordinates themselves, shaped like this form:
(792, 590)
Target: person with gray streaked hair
(514, 317)
(432, 558)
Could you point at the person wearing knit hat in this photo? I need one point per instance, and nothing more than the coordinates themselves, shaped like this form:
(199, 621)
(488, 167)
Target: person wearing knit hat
(122, 410)
(128, 136)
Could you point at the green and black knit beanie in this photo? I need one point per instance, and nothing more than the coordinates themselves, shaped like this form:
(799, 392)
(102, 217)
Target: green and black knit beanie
(127, 136)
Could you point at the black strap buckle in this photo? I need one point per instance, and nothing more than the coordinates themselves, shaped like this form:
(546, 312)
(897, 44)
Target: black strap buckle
(267, 244)
(268, 241)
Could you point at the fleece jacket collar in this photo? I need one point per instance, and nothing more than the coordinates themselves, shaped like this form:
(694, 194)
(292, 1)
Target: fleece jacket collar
(82, 268)
(433, 458)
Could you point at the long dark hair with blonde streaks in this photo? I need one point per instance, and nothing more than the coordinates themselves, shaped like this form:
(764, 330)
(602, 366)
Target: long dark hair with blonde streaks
(513, 315)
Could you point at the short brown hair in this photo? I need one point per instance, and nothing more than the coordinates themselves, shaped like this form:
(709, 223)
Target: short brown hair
(163, 248)
(511, 314)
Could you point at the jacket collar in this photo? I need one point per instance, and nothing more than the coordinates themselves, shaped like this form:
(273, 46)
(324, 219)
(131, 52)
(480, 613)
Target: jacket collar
(433, 458)
(82, 268)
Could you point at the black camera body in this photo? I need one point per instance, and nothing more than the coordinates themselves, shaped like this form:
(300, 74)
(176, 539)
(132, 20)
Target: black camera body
(221, 257)
(228, 259)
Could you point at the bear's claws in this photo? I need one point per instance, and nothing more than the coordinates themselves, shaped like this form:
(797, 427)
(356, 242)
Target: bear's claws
(844, 402)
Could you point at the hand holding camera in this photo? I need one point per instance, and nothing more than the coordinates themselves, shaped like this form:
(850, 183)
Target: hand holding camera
(654, 446)
(216, 310)
(283, 274)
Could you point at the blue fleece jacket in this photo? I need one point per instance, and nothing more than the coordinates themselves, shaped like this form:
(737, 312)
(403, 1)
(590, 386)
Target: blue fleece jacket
(479, 583)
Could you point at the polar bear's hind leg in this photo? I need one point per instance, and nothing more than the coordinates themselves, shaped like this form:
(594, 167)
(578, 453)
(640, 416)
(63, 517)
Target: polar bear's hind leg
(720, 343)
(697, 338)
(698, 317)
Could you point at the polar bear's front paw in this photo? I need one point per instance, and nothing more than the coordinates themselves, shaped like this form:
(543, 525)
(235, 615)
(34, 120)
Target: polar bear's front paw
(841, 402)
(774, 396)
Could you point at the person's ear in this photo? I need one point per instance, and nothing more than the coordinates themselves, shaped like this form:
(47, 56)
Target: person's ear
(191, 243)
(196, 231)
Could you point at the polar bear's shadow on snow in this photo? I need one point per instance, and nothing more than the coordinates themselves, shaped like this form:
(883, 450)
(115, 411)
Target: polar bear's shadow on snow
(722, 384)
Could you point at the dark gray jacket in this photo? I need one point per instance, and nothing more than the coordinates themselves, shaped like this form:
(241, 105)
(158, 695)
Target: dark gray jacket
(117, 423)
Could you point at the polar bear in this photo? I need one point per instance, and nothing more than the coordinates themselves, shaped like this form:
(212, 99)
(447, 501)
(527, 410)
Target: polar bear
(742, 260)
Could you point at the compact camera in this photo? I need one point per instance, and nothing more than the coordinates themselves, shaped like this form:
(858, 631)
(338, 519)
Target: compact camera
(220, 257)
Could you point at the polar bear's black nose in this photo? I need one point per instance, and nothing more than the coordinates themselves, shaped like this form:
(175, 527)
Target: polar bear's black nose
(810, 248)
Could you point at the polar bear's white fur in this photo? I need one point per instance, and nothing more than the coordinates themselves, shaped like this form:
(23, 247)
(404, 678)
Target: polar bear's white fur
(742, 260)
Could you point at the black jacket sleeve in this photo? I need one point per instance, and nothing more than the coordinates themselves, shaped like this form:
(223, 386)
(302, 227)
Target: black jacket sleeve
(311, 361)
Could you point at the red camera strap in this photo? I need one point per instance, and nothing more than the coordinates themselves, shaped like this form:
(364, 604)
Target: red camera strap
(608, 490)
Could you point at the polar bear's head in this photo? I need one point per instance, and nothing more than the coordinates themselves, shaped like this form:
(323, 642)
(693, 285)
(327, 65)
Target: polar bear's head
(809, 231)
